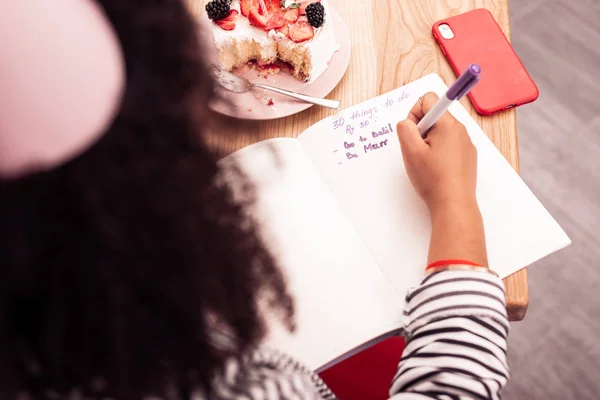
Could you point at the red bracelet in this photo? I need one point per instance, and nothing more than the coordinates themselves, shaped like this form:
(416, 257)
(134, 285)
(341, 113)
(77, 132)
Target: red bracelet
(451, 262)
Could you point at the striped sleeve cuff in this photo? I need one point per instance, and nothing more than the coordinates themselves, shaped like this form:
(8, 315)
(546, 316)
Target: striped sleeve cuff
(456, 338)
(450, 294)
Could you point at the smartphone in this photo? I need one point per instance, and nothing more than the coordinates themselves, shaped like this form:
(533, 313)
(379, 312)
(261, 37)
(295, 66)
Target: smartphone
(476, 37)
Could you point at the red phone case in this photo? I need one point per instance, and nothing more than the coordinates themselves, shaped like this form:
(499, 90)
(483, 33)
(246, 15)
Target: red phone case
(478, 39)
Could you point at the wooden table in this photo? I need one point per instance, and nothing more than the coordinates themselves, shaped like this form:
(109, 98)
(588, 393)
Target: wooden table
(391, 46)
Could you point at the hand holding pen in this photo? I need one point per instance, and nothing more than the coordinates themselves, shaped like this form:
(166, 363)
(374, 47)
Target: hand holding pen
(443, 167)
(460, 88)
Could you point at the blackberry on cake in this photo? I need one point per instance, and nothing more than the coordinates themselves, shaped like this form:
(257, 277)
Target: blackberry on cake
(218, 9)
(315, 12)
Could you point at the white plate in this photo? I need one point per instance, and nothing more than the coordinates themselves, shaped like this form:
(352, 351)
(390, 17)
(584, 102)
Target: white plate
(254, 103)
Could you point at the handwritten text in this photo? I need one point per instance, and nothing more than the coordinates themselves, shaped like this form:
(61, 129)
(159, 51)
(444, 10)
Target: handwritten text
(383, 131)
(375, 146)
(368, 112)
(403, 96)
(338, 123)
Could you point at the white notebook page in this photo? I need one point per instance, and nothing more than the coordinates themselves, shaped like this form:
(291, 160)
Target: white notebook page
(342, 298)
(358, 156)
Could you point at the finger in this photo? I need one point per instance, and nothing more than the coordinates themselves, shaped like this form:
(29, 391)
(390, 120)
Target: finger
(445, 122)
(422, 106)
(409, 137)
(429, 100)
(416, 113)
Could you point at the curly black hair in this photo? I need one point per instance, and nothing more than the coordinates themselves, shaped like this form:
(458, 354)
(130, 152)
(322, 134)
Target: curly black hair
(115, 266)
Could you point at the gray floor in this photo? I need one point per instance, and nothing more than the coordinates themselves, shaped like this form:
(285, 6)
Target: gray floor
(555, 352)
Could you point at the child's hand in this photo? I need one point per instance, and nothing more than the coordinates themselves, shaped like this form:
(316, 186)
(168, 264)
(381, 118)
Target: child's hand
(443, 167)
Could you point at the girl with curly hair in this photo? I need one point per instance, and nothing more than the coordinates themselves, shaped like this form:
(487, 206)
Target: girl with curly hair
(119, 246)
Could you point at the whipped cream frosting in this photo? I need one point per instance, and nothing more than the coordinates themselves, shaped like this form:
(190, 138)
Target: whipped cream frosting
(322, 46)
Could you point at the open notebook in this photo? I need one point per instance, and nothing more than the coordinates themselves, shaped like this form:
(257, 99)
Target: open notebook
(339, 213)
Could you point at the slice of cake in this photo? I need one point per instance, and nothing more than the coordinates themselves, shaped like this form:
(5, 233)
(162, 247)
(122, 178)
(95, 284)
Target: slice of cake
(271, 33)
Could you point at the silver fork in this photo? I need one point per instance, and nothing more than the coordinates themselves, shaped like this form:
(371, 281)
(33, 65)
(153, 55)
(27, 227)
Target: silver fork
(238, 84)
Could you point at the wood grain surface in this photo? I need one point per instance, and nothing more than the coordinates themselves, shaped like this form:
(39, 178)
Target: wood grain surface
(391, 46)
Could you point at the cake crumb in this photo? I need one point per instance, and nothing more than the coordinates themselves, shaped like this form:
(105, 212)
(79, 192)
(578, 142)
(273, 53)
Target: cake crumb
(267, 101)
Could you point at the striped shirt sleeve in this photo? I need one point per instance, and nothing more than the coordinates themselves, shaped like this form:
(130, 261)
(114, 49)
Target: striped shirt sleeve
(456, 339)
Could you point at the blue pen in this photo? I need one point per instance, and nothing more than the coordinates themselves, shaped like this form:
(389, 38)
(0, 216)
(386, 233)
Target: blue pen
(461, 87)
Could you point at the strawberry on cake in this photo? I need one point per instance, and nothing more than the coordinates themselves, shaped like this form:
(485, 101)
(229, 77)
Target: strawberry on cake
(268, 33)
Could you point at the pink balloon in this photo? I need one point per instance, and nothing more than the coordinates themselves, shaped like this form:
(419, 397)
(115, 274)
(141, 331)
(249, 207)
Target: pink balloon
(62, 75)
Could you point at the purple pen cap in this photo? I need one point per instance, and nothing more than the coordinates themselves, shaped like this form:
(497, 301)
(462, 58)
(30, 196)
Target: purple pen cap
(465, 82)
